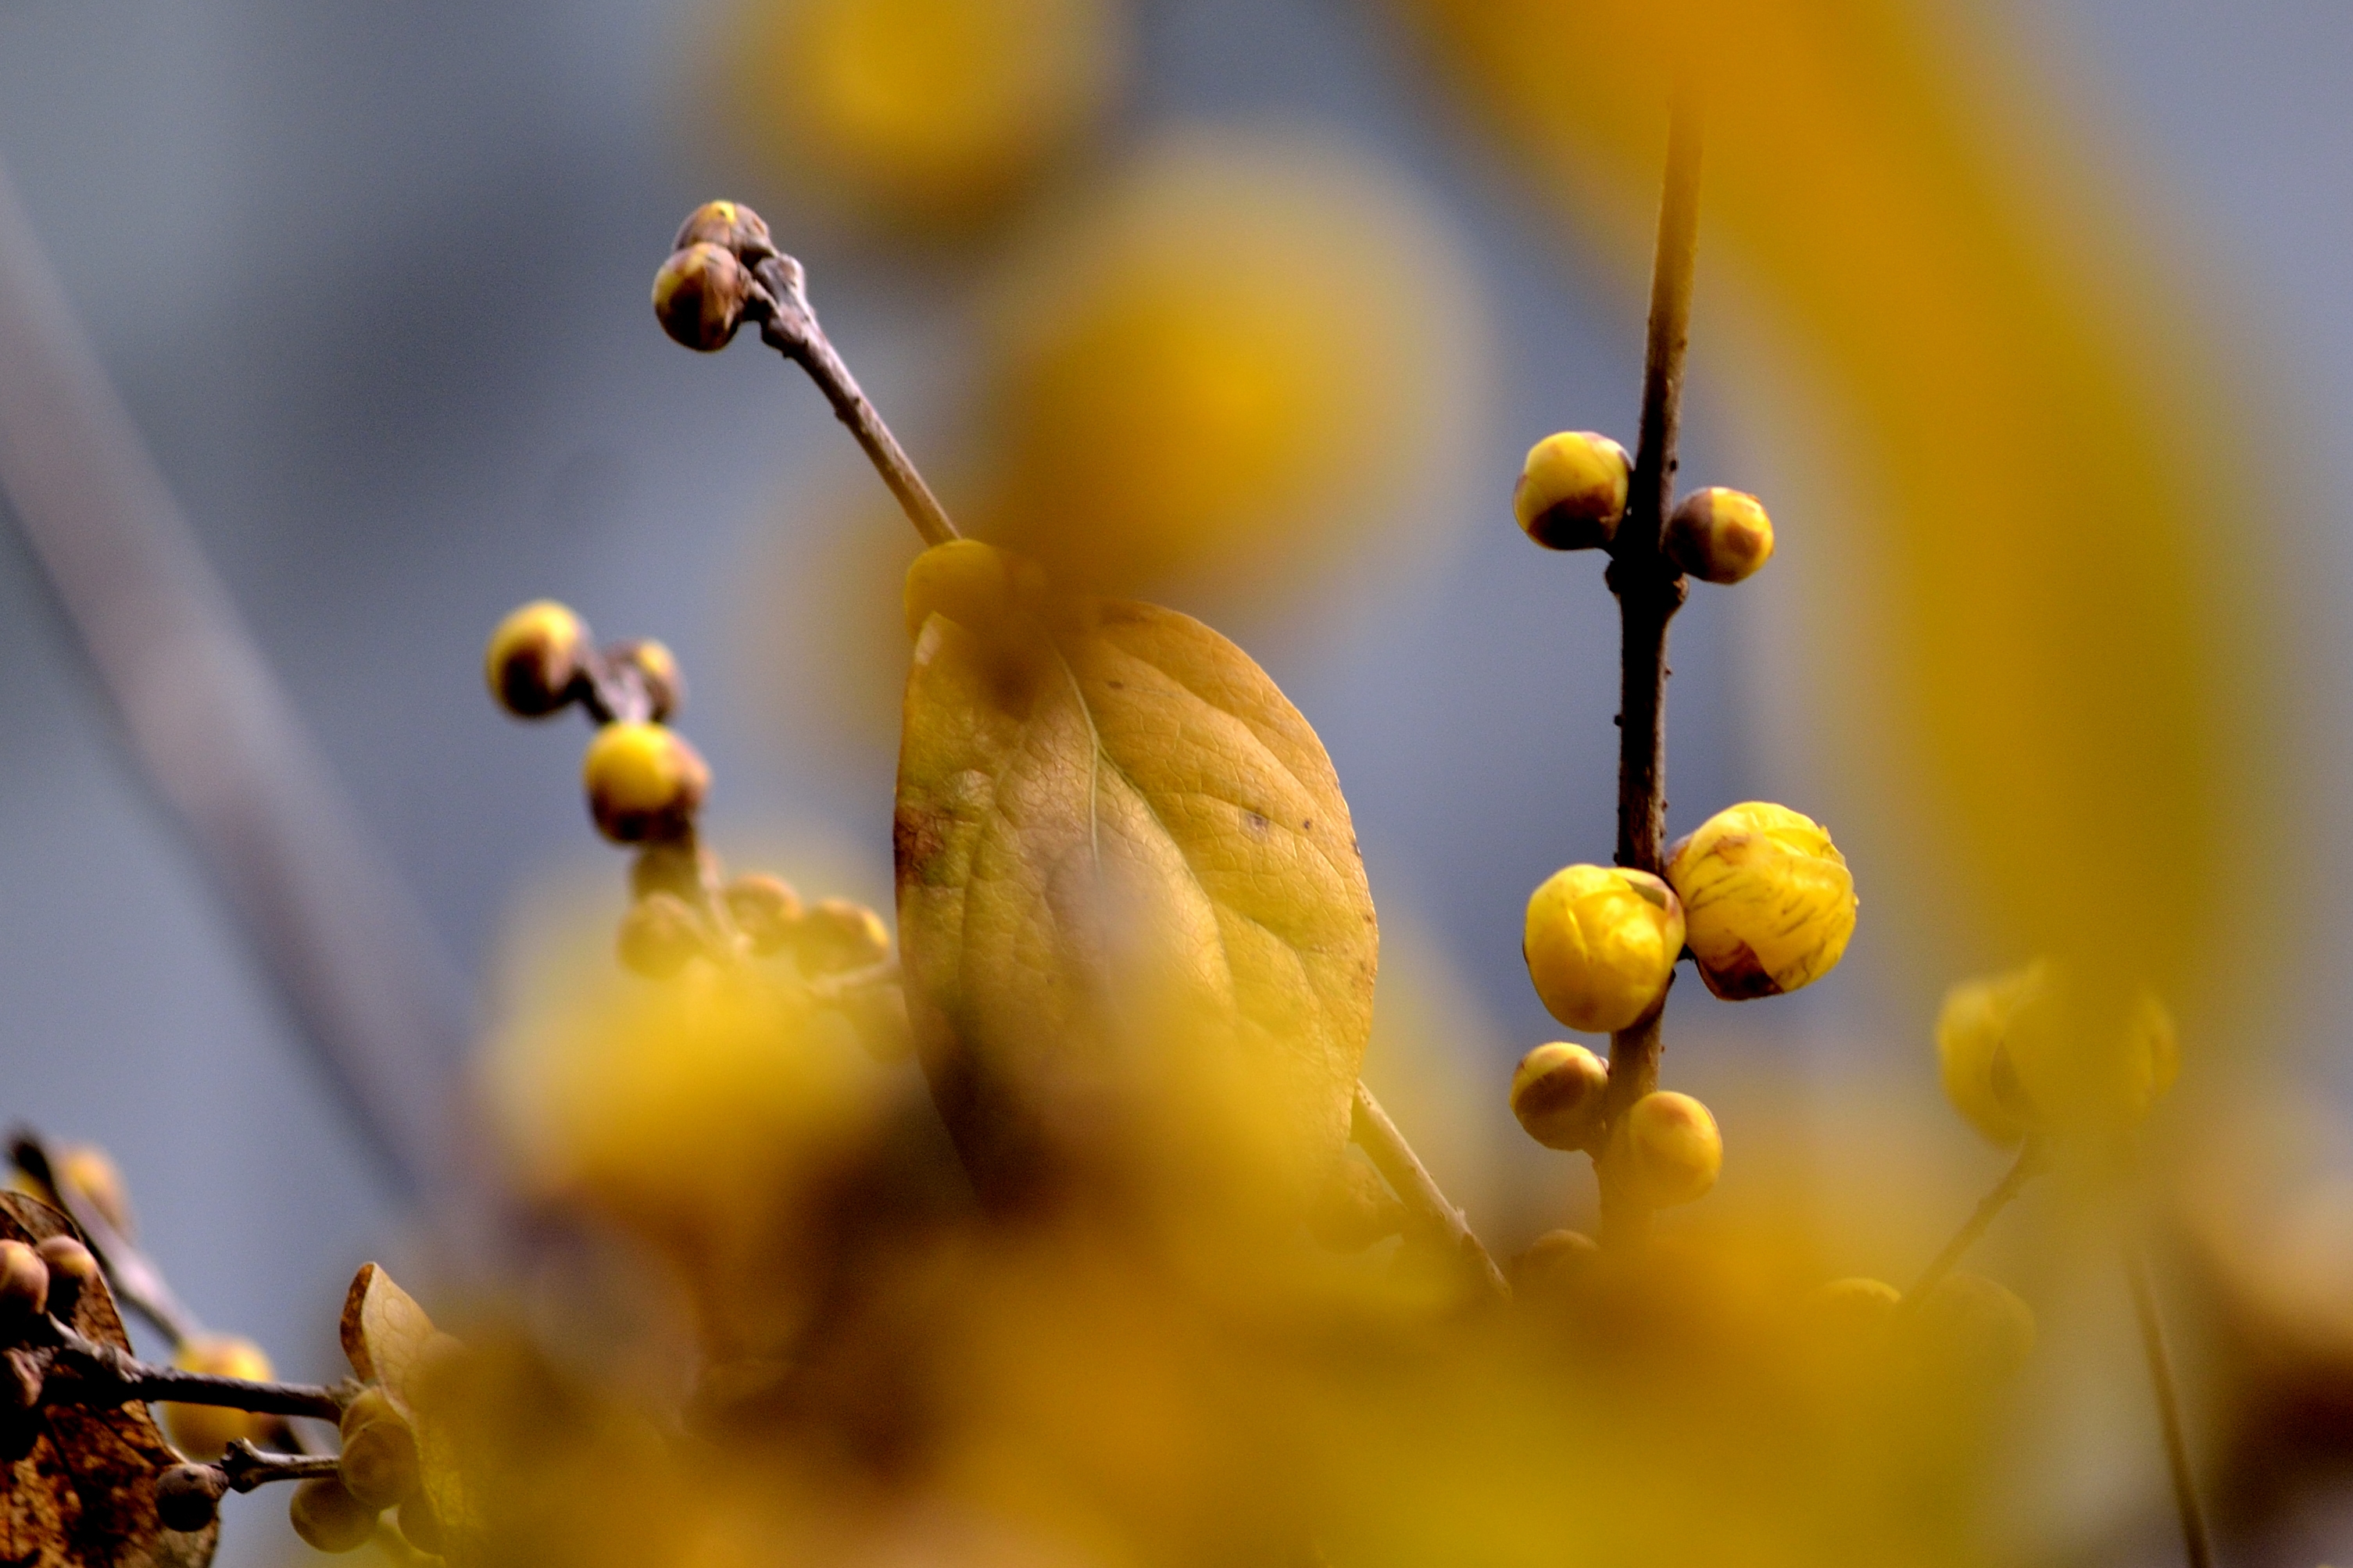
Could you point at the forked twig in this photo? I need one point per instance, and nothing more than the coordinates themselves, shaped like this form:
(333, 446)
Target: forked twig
(1391, 1155)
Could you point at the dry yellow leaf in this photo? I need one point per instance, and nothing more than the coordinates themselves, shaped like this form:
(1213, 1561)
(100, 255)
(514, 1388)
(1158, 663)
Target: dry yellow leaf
(1129, 894)
(392, 1344)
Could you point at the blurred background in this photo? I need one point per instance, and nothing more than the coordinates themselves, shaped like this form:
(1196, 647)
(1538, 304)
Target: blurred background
(1253, 308)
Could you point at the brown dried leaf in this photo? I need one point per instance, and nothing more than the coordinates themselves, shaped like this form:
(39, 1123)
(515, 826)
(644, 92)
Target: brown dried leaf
(85, 1496)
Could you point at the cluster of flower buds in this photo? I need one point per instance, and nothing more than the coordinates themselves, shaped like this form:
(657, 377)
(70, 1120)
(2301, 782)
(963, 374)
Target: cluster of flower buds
(1572, 495)
(646, 785)
(703, 291)
(40, 1285)
(1670, 1141)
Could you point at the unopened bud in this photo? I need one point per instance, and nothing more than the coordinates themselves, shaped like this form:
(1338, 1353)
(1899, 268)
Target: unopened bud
(1718, 535)
(978, 586)
(765, 909)
(1601, 944)
(24, 1285)
(1555, 1266)
(657, 670)
(328, 1517)
(73, 1269)
(1768, 903)
(1977, 1330)
(659, 935)
(188, 1497)
(837, 935)
(730, 226)
(378, 1465)
(1557, 1094)
(1572, 491)
(643, 782)
(535, 658)
(700, 294)
(91, 1174)
(1672, 1151)
(370, 1404)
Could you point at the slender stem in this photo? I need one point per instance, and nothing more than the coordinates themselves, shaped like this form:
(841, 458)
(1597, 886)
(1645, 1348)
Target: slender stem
(2200, 1548)
(788, 324)
(1649, 591)
(2028, 1165)
(1391, 1155)
(246, 1467)
(83, 1371)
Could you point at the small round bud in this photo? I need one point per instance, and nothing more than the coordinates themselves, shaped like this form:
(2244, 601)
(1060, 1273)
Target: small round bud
(24, 1284)
(188, 1497)
(730, 226)
(1355, 1209)
(2014, 1056)
(89, 1172)
(328, 1517)
(879, 1015)
(1555, 1264)
(643, 780)
(1973, 1051)
(978, 586)
(73, 1269)
(1572, 491)
(699, 296)
(370, 1404)
(419, 1525)
(765, 909)
(1673, 1148)
(1601, 944)
(1718, 535)
(1557, 1094)
(1976, 1330)
(659, 935)
(378, 1465)
(657, 667)
(534, 657)
(204, 1431)
(1854, 1307)
(1768, 903)
(836, 936)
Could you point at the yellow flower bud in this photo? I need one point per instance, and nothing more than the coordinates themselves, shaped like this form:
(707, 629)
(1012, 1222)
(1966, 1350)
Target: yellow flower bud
(659, 936)
(1767, 900)
(1718, 535)
(201, 1431)
(1601, 944)
(534, 661)
(643, 780)
(1557, 1094)
(2012, 1055)
(89, 1172)
(1673, 1151)
(379, 1465)
(370, 1404)
(700, 294)
(765, 909)
(730, 226)
(1572, 490)
(978, 586)
(24, 1283)
(1555, 1266)
(837, 935)
(657, 668)
(73, 1269)
(328, 1517)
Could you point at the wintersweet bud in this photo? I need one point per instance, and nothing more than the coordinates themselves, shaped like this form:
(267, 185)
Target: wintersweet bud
(379, 1465)
(1557, 1094)
(1673, 1151)
(1975, 1330)
(767, 910)
(535, 658)
(1572, 490)
(1601, 944)
(91, 1175)
(700, 294)
(659, 936)
(188, 1497)
(370, 1403)
(1555, 1264)
(328, 1517)
(730, 226)
(978, 586)
(1768, 900)
(2012, 1058)
(1718, 535)
(24, 1283)
(643, 782)
(202, 1431)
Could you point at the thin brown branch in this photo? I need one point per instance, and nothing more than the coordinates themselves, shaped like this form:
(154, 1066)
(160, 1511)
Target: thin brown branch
(80, 1370)
(246, 1467)
(2031, 1162)
(1649, 591)
(788, 324)
(1427, 1206)
(2200, 1548)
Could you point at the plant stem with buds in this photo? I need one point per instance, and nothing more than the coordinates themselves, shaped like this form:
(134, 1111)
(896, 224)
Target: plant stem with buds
(1649, 591)
(80, 1370)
